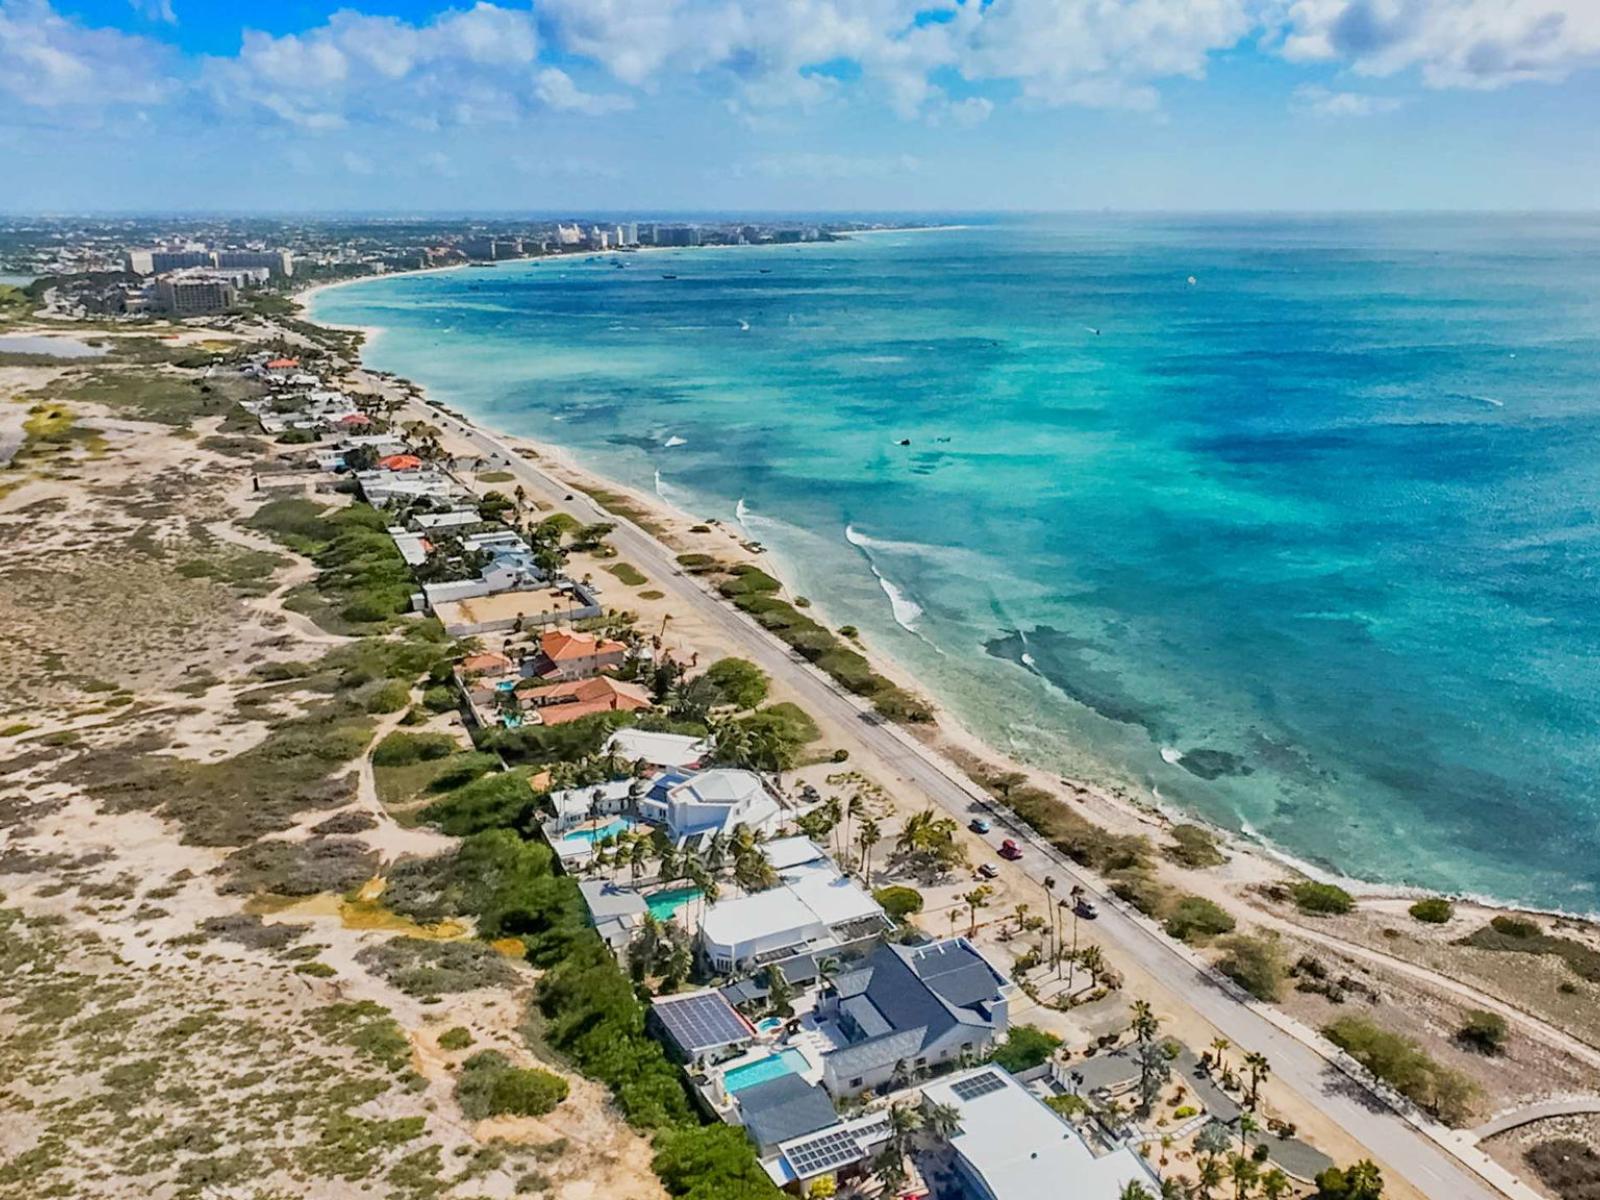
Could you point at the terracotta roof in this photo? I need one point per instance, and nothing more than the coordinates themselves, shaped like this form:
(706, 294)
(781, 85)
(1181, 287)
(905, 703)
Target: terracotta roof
(355, 419)
(563, 645)
(282, 364)
(562, 702)
(400, 462)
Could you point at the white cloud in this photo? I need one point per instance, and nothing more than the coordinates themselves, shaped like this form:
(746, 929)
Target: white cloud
(812, 166)
(1321, 102)
(51, 62)
(555, 88)
(465, 66)
(1451, 43)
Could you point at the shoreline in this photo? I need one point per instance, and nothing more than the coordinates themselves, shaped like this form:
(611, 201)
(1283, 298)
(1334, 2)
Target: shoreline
(1250, 857)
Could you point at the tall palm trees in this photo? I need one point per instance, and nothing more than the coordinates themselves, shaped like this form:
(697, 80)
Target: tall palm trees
(1221, 1045)
(1094, 962)
(1055, 924)
(1256, 1065)
(977, 898)
(868, 836)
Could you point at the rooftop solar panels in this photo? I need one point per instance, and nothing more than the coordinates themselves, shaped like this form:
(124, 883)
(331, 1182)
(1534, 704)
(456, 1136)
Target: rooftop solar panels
(978, 1085)
(823, 1153)
(701, 1021)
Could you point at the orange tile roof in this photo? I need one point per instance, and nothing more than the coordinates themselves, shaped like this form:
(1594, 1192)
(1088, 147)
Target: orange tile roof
(562, 702)
(562, 645)
(282, 364)
(400, 462)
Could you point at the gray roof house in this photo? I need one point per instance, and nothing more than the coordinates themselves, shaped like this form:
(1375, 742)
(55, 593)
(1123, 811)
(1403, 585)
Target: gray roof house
(782, 1109)
(910, 1009)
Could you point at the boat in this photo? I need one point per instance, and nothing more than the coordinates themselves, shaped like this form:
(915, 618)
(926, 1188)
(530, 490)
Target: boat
(669, 276)
(766, 270)
(744, 325)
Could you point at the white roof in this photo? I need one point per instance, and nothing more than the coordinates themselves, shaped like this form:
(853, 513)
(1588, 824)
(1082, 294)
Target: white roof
(658, 749)
(722, 785)
(784, 853)
(576, 801)
(824, 898)
(1021, 1148)
(410, 547)
(458, 516)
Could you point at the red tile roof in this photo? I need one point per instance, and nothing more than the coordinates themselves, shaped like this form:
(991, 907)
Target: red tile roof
(563, 645)
(400, 462)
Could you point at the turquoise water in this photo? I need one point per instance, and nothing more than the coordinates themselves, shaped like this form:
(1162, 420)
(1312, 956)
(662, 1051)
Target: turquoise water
(1308, 547)
(665, 904)
(774, 1066)
(612, 828)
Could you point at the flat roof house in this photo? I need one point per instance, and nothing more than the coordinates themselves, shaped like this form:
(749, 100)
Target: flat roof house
(908, 1009)
(615, 912)
(658, 749)
(819, 912)
(1012, 1146)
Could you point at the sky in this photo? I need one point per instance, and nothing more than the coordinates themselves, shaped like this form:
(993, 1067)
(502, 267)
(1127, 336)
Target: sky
(660, 106)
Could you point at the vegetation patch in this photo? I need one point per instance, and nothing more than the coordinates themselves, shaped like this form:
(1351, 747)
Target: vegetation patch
(1025, 1046)
(1193, 846)
(1433, 910)
(1196, 920)
(899, 902)
(1254, 963)
(489, 1086)
(1518, 936)
(1321, 899)
(1568, 1167)
(363, 583)
(628, 573)
(1404, 1066)
(420, 967)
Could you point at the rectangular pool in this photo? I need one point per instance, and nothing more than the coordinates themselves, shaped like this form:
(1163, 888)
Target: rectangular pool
(612, 828)
(665, 904)
(785, 1062)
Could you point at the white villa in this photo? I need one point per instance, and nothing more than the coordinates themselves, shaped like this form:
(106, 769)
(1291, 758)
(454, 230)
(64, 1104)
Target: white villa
(709, 802)
(661, 750)
(815, 910)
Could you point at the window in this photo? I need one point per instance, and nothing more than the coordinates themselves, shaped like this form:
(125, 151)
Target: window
(856, 1082)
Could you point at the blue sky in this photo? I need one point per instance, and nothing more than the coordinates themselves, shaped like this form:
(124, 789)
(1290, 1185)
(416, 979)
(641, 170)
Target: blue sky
(662, 105)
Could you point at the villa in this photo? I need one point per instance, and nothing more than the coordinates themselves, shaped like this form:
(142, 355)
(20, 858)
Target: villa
(1012, 1146)
(568, 654)
(818, 912)
(700, 804)
(616, 912)
(557, 703)
(659, 750)
(910, 1009)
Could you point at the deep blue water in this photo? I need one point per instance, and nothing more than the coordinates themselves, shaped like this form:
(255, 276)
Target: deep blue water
(1308, 546)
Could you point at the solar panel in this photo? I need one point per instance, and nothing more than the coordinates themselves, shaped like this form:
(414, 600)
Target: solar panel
(702, 1022)
(823, 1153)
(978, 1085)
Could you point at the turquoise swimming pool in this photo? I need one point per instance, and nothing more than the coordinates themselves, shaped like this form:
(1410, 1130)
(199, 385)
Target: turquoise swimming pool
(666, 903)
(612, 828)
(774, 1066)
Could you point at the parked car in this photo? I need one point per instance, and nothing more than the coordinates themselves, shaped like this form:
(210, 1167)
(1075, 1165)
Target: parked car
(1009, 849)
(1085, 910)
(978, 825)
(988, 871)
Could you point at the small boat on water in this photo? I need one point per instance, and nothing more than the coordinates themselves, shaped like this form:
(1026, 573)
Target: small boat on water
(766, 270)
(744, 325)
(669, 276)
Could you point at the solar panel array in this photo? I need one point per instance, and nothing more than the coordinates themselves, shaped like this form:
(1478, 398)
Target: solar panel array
(833, 1147)
(978, 1085)
(702, 1022)
(823, 1153)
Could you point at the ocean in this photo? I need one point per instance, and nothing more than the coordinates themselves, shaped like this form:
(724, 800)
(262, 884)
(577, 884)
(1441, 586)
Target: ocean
(1292, 523)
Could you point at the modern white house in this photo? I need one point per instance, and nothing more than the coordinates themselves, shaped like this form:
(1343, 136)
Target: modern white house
(1012, 1146)
(660, 750)
(819, 911)
(704, 803)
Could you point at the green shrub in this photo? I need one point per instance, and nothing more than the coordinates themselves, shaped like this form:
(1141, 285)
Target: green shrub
(440, 698)
(1515, 935)
(457, 1037)
(1321, 899)
(501, 801)
(401, 749)
(739, 682)
(1254, 963)
(1515, 927)
(748, 580)
(1193, 846)
(388, 697)
(1025, 1046)
(1434, 910)
(1483, 1031)
(489, 1086)
(1196, 920)
(711, 1162)
(898, 901)
(1402, 1064)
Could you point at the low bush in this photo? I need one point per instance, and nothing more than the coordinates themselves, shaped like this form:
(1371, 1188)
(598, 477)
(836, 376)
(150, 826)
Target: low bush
(389, 697)
(1515, 935)
(1193, 846)
(1025, 1046)
(457, 1037)
(747, 581)
(1321, 899)
(1404, 1066)
(489, 1086)
(1434, 910)
(1254, 963)
(400, 749)
(1568, 1167)
(1196, 920)
(898, 901)
(502, 801)
(739, 682)
(1483, 1031)
(419, 967)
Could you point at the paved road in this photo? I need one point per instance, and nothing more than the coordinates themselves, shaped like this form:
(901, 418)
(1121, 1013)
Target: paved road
(1402, 1148)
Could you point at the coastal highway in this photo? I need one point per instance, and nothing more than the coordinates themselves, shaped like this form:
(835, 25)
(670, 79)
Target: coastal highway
(1297, 1063)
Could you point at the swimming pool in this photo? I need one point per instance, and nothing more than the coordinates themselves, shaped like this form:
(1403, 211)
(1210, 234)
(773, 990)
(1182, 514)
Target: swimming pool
(769, 1024)
(612, 828)
(664, 904)
(774, 1066)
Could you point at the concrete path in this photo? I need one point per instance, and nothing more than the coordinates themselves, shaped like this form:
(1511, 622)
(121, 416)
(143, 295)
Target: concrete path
(1571, 1107)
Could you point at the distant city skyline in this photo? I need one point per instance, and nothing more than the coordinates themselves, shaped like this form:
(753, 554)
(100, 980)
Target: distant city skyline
(662, 106)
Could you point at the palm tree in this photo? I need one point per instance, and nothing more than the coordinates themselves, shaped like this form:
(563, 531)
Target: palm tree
(1055, 928)
(942, 1121)
(1094, 962)
(1221, 1045)
(827, 971)
(977, 898)
(1134, 1190)
(1275, 1185)
(1256, 1064)
(1075, 895)
(852, 808)
(1245, 1172)
(1247, 1126)
(868, 836)
(1363, 1181)
(1020, 912)
(638, 856)
(1208, 1177)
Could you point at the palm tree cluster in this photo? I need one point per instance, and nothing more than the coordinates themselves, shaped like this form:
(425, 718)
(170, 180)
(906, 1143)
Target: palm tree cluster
(928, 844)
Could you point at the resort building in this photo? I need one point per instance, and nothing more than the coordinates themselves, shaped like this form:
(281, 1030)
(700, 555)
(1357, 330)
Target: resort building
(1012, 1146)
(818, 912)
(704, 803)
(569, 654)
(910, 1009)
(659, 750)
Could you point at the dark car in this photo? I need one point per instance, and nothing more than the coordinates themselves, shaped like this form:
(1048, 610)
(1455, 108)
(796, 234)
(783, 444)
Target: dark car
(978, 825)
(1085, 910)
